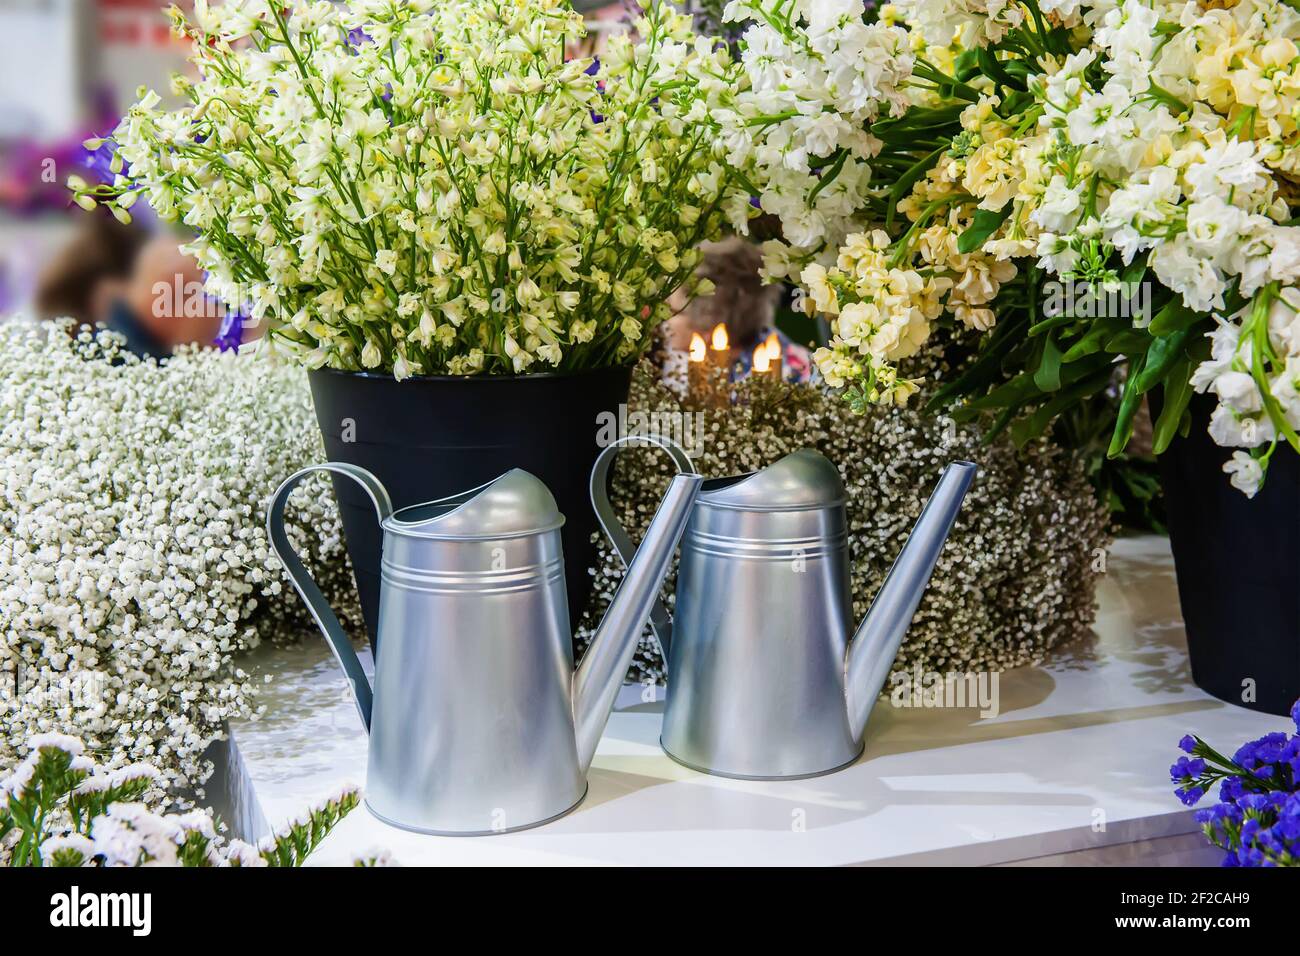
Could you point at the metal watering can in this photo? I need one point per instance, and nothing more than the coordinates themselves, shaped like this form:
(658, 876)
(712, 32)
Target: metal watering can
(478, 722)
(767, 678)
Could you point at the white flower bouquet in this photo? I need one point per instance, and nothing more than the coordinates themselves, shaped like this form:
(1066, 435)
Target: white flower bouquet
(1141, 156)
(430, 187)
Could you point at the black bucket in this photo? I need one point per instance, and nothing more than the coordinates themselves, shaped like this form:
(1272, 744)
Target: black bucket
(1238, 564)
(430, 437)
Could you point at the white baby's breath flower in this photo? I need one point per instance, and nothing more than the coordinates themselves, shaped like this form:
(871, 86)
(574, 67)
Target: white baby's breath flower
(135, 564)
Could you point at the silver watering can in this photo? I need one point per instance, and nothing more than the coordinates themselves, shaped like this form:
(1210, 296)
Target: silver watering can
(478, 722)
(767, 679)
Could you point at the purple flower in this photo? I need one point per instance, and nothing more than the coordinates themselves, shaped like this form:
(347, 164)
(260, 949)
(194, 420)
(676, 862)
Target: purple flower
(596, 117)
(1257, 819)
(1295, 715)
(99, 161)
(754, 201)
(231, 334)
(357, 36)
(594, 68)
(1185, 770)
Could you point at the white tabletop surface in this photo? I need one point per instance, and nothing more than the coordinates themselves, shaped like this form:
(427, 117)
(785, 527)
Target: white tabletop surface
(1076, 759)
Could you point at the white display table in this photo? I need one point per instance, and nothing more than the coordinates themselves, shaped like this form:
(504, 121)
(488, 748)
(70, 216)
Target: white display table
(1074, 768)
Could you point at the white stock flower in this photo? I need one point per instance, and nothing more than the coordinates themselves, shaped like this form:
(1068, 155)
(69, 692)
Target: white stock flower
(1245, 471)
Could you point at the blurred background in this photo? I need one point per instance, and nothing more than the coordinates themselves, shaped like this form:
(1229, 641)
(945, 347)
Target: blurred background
(68, 68)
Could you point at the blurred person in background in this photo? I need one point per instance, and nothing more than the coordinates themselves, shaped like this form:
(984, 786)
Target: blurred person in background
(144, 288)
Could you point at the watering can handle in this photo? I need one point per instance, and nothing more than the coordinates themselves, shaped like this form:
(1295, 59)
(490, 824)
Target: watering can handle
(660, 622)
(320, 610)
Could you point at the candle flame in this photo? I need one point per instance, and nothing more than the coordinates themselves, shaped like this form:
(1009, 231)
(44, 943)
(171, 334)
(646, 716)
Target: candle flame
(773, 346)
(697, 347)
(767, 355)
(720, 340)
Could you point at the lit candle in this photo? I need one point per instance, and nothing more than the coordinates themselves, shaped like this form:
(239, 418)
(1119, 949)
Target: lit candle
(707, 372)
(696, 368)
(767, 359)
(720, 349)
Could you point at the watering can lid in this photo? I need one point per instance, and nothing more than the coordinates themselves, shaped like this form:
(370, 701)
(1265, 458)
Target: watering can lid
(516, 503)
(804, 479)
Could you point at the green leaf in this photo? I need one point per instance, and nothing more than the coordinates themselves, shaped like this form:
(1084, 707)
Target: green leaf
(1012, 392)
(1055, 322)
(1161, 356)
(965, 65)
(999, 425)
(1006, 336)
(991, 67)
(1036, 424)
(1134, 271)
(905, 182)
(1174, 317)
(1128, 405)
(1048, 375)
(1177, 395)
(985, 223)
(1129, 341)
(1093, 339)
(829, 175)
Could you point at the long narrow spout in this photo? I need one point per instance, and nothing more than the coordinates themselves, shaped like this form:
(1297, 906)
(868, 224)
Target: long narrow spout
(872, 652)
(603, 667)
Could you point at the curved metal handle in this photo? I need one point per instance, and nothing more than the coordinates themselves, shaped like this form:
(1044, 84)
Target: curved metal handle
(660, 622)
(320, 610)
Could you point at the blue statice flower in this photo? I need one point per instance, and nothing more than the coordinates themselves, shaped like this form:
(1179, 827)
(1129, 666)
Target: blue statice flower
(231, 334)
(1257, 819)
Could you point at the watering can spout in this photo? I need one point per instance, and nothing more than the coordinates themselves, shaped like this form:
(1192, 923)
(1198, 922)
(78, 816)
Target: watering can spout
(873, 649)
(604, 665)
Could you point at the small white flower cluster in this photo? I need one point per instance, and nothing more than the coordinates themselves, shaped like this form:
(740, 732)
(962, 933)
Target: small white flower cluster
(60, 808)
(430, 188)
(817, 74)
(134, 563)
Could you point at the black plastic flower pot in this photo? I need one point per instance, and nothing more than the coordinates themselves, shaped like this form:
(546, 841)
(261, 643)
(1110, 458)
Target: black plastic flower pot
(1238, 565)
(434, 436)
